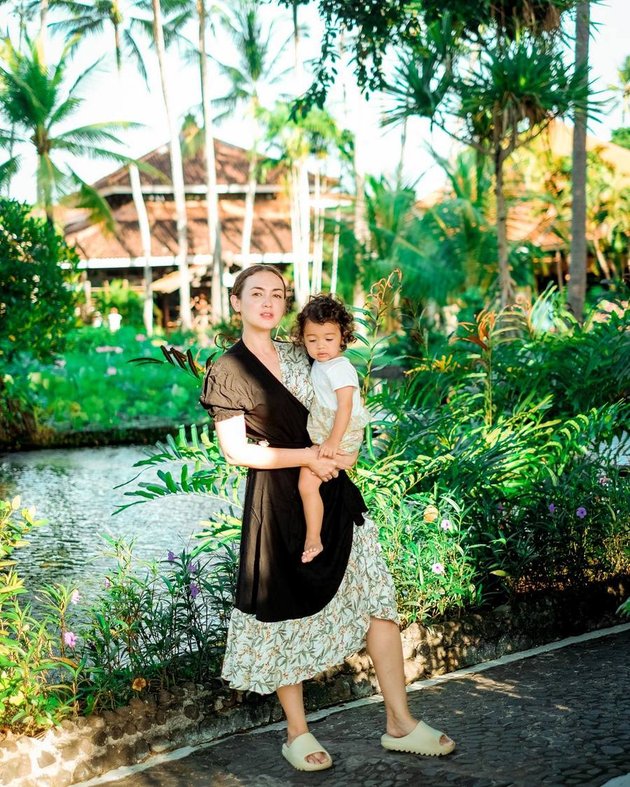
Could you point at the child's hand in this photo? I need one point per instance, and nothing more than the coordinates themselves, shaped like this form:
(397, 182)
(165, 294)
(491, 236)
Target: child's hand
(328, 449)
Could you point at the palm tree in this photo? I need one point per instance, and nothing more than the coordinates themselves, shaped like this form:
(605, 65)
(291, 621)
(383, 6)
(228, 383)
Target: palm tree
(294, 141)
(203, 138)
(84, 20)
(255, 65)
(177, 172)
(502, 99)
(33, 100)
(577, 267)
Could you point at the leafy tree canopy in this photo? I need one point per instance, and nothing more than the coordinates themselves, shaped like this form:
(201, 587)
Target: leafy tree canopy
(369, 28)
(37, 273)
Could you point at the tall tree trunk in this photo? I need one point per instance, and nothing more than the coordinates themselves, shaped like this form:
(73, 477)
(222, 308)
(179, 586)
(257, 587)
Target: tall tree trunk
(506, 285)
(318, 234)
(300, 231)
(401, 160)
(576, 289)
(334, 275)
(218, 298)
(248, 216)
(177, 169)
(301, 192)
(298, 68)
(145, 239)
(43, 28)
(361, 226)
(117, 45)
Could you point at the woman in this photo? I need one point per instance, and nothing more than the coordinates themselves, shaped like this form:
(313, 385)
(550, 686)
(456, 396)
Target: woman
(292, 619)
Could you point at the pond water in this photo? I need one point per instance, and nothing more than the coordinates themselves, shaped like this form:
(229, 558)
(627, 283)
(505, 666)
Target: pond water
(74, 490)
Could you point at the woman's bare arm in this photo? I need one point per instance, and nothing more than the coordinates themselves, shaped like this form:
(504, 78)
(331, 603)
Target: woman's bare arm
(237, 451)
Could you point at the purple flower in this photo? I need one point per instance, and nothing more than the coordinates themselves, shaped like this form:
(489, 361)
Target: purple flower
(437, 568)
(581, 512)
(500, 507)
(70, 639)
(194, 590)
(106, 583)
(445, 524)
(192, 568)
(170, 556)
(74, 597)
(552, 508)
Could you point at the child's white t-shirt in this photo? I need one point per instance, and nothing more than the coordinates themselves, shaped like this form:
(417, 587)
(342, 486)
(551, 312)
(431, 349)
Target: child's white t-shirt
(328, 376)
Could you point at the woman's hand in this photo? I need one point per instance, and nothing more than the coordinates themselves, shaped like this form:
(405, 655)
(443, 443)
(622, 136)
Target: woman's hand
(323, 468)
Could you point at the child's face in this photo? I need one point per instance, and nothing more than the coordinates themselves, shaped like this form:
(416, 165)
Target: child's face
(322, 342)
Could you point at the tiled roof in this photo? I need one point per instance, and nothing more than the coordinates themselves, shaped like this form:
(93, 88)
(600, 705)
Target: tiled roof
(271, 231)
(232, 167)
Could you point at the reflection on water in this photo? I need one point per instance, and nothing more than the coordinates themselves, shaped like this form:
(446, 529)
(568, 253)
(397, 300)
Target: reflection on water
(74, 490)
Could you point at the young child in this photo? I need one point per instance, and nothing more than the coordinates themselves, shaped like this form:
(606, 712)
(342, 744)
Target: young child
(337, 418)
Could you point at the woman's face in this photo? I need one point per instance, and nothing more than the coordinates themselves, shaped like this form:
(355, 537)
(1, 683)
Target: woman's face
(262, 301)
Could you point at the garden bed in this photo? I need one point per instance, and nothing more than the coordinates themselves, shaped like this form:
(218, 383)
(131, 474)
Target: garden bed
(84, 748)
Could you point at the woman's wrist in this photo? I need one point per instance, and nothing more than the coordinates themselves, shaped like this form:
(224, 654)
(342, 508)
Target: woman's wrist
(310, 455)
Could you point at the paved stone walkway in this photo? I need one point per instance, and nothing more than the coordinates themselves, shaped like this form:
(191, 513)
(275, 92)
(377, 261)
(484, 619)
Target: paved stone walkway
(560, 718)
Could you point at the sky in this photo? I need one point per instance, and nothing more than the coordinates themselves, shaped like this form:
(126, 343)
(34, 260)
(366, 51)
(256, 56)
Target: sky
(110, 96)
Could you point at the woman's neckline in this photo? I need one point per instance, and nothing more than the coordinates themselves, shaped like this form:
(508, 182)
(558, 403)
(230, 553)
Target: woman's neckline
(252, 352)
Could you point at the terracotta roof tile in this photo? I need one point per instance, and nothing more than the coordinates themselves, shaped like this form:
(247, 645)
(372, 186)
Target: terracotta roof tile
(231, 160)
(271, 231)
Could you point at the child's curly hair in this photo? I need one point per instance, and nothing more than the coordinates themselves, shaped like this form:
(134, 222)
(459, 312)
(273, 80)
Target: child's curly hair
(326, 308)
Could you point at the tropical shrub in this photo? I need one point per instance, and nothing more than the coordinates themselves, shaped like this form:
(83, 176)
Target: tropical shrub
(38, 680)
(38, 272)
(157, 624)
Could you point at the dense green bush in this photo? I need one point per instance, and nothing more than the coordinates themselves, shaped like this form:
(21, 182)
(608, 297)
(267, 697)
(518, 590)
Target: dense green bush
(38, 271)
(38, 677)
(38, 274)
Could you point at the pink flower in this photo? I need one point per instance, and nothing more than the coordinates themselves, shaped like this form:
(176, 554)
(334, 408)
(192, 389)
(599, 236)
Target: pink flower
(140, 337)
(111, 370)
(106, 583)
(74, 597)
(437, 568)
(70, 639)
(445, 524)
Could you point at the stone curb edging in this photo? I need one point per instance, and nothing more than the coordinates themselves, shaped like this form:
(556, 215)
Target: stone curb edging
(85, 748)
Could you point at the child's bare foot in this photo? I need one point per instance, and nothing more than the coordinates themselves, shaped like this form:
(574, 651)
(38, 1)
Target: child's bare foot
(312, 548)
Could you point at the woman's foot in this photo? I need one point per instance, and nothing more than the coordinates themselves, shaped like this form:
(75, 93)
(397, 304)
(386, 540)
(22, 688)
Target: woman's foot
(317, 760)
(312, 548)
(416, 737)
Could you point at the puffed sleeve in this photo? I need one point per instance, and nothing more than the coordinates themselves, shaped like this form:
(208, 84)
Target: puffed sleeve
(225, 391)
